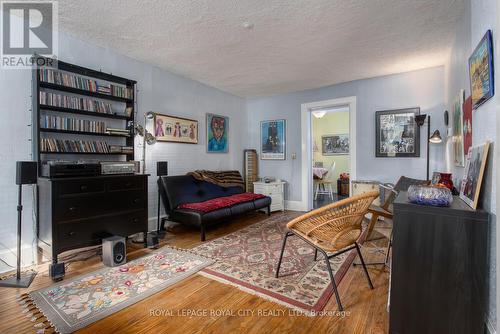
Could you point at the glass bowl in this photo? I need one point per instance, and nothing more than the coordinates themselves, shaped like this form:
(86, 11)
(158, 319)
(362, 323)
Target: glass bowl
(430, 195)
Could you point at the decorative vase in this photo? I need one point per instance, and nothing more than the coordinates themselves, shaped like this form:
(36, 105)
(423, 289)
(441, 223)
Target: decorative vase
(446, 180)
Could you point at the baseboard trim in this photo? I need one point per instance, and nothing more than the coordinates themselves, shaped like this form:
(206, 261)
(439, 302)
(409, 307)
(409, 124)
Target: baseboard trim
(294, 206)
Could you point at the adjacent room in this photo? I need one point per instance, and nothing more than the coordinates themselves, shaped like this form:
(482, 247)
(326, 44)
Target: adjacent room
(236, 166)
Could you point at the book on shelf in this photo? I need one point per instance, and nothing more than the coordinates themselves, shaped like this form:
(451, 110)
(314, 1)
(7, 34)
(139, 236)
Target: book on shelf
(71, 124)
(75, 81)
(73, 102)
(73, 146)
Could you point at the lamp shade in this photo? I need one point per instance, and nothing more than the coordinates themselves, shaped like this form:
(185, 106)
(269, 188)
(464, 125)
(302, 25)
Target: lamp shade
(149, 115)
(436, 137)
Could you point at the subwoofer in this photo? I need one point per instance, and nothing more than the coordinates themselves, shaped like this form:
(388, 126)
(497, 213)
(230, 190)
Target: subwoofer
(114, 251)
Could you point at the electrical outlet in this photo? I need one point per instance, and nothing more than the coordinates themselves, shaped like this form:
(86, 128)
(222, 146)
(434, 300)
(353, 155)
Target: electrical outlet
(294, 156)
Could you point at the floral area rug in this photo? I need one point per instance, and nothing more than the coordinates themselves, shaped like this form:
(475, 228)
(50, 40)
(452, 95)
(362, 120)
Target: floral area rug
(248, 257)
(75, 303)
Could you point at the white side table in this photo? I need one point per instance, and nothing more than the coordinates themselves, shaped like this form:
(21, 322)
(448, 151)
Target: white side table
(275, 190)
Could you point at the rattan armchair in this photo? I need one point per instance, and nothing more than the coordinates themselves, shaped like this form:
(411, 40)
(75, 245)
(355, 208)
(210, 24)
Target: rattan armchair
(334, 228)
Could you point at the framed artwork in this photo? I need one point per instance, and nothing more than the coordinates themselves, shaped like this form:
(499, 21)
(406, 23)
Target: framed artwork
(473, 176)
(217, 133)
(481, 71)
(396, 133)
(458, 129)
(335, 144)
(175, 129)
(467, 124)
(436, 177)
(272, 140)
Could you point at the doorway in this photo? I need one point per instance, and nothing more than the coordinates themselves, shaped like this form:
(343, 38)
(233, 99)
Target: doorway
(329, 151)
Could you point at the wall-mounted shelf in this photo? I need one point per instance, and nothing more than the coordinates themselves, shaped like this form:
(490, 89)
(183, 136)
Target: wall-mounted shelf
(83, 112)
(86, 133)
(78, 74)
(67, 89)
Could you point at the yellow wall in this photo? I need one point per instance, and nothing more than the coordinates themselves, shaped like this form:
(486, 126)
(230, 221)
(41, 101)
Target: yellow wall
(331, 124)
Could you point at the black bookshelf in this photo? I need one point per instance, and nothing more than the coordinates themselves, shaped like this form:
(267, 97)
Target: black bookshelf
(40, 110)
(85, 133)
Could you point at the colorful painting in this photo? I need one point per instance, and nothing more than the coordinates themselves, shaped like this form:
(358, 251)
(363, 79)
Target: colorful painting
(217, 133)
(272, 140)
(397, 133)
(473, 176)
(175, 129)
(481, 71)
(467, 124)
(335, 144)
(458, 129)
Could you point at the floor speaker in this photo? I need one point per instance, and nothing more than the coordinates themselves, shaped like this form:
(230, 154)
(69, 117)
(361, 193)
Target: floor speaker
(26, 172)
(114, 251)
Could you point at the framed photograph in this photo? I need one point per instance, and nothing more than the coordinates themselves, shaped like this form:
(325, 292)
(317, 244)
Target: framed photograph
(175, 129)
(436, 177)
(473, 176)
(458, 129)
(467, 125)
(217, 133)
(272, 140)
(335, 144)
(481, 71)
(396, 133)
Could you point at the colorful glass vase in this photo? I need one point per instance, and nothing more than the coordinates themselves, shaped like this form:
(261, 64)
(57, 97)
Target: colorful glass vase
(445, 180)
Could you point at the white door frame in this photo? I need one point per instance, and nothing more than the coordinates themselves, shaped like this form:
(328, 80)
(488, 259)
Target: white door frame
(306, 113)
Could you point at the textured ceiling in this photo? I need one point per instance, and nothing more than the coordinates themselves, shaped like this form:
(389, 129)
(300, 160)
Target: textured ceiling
(293, 45)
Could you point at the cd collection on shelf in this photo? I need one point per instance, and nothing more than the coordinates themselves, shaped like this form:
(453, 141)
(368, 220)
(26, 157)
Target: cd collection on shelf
(71, 124)
(73, 102)
(73, 146)
(121, 149)
(79, 82)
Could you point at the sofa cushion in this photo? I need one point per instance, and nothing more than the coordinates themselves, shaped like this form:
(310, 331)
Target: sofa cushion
(221, 202)
(183, 189)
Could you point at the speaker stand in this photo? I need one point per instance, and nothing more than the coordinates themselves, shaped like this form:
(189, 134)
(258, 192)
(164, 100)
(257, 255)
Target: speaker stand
(24, 280)
(160, 233)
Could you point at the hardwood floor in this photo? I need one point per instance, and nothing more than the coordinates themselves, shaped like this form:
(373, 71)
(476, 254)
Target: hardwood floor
(220, 308)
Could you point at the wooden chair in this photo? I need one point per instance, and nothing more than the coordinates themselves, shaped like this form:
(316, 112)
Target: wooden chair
(334, 228)
(385, 210)
(325, 186)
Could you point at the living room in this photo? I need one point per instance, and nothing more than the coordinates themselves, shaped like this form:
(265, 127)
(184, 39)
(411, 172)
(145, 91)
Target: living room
(179, 137)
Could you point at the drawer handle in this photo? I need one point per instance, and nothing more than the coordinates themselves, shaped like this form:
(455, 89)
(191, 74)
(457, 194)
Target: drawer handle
(71, 234)
(135, 220)
(83, 188)
(128, 184)
(72, 208)
(137, 200)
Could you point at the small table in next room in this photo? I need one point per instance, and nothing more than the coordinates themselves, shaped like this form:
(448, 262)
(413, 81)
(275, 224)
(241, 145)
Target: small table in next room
(275, 190)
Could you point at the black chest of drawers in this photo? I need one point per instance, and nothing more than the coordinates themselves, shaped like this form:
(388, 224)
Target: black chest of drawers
(439, 268)
(80, 211)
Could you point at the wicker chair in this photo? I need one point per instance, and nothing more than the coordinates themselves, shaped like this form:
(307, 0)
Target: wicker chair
(334, 228)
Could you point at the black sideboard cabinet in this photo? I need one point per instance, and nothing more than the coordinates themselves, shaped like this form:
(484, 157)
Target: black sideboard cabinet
(77, 212)
(439, 266)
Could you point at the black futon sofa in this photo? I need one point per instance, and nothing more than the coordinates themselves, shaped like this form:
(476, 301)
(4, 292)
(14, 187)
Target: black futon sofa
(185, 189)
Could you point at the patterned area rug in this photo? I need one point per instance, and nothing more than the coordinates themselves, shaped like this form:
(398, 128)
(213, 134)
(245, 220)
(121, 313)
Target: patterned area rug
(75, 303)
(247, 259)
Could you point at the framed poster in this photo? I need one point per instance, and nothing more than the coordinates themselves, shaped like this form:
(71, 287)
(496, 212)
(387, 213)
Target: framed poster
(458, 129)
(467, 125)
(175, 129)
(272, 140)
(217, 133)
(473, 176)
(396, 133)
(335, 144)
(481, 73)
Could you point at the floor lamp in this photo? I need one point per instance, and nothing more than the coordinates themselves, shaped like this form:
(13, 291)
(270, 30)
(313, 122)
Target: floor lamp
(149, 139)
(435, 138)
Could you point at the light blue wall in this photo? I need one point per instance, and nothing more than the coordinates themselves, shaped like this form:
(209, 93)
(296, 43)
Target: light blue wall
(424, 88)
(159, 91)
(479, 16)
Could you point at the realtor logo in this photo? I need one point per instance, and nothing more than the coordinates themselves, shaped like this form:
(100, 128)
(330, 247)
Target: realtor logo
(28, 28)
